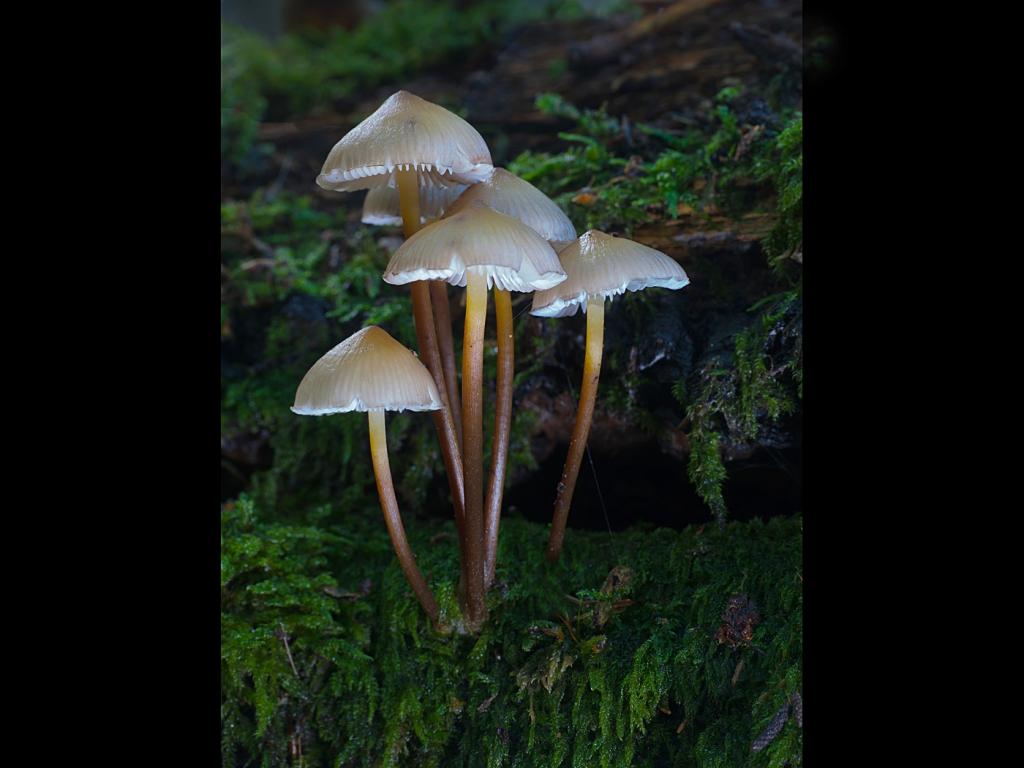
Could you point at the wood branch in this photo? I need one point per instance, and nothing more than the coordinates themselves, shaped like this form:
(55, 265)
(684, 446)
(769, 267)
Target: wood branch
(606, 47)
(771, 48)
(690, 235)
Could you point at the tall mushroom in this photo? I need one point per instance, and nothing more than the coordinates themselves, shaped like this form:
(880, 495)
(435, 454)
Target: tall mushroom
(407, 142)
(370, 371)
(507, 193)
(381, 207)
(477, 248)
(598, 266)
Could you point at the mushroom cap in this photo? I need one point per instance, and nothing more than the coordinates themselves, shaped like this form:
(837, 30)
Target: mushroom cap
(511, 255)
(507, 193)
(407, 133)
(368, 371)
(601, 265)
(381, 204)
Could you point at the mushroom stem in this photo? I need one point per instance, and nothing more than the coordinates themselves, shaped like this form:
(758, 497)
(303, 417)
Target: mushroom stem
(392, 518)
(472, 442)
(502, 427)
(443, 321)
(408, 201)
(580, 430)
(426, 339)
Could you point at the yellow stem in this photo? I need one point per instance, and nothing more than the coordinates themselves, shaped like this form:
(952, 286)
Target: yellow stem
(443, 324)
(472, 444)
(580, 430)
(426, 338)
(502, 427)
(409, 201)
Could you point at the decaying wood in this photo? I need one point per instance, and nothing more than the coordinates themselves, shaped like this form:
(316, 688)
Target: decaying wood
(684, 53)
(606, 47)
(692, 235)
(768, 47)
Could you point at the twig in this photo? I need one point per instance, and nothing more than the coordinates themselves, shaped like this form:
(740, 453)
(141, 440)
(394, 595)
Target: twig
(287, 650)
(275, 188)
(597, 484)
(606, 47)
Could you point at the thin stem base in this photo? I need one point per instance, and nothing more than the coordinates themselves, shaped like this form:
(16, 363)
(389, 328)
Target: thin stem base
(502, 428)
(392, 518)
(581, 429)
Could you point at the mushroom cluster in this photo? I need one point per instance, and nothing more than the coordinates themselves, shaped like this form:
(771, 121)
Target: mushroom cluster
(469, 225)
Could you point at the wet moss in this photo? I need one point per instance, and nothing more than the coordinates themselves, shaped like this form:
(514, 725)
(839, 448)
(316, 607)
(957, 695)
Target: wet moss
(623, 653)
(745, 154)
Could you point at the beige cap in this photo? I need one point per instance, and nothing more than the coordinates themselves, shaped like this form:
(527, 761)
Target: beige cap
(478, 239)
(560, 245)
(507, 193)
(601, 265)
(368, 371)
(408, 133)
(381, 204)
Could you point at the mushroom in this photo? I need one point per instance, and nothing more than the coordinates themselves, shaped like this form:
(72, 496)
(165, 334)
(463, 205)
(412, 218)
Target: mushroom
(598, 266)
(381, 208)
(405, 143)
(507, 193)
(370, 371)
(477, 248)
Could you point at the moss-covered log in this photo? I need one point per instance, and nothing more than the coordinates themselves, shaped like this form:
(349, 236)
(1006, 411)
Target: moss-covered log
(650, 647)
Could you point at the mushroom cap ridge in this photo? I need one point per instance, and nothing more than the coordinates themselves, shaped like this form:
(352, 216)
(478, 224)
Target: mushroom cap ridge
(477, 239)
(601, 265)
(407, 133)
(507, 193)
(368, 371)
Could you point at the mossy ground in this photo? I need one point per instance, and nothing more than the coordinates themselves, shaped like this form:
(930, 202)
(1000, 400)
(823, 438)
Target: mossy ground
(625, 652)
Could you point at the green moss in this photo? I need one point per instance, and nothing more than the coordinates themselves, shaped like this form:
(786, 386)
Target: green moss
(589, 662)
(784, 167)
(721, 166)
(705, 467)
(761, 382)
(289, 294)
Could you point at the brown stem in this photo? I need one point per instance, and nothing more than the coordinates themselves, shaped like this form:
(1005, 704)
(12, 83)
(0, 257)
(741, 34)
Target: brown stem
(443, 322)
(392, 518)
(426, 340)
(473, 443)
(502, 427)
(580, 430)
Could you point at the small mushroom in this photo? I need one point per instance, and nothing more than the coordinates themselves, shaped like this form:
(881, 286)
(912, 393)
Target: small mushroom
(381, 206)
(370, 371)
(598, 266)
(477, 248)
(408, 142)
(506, 193)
